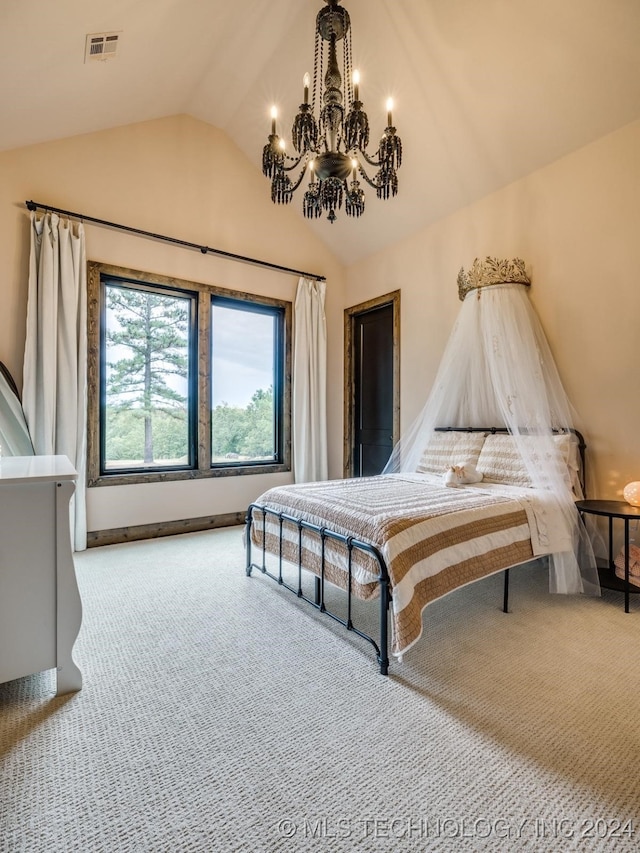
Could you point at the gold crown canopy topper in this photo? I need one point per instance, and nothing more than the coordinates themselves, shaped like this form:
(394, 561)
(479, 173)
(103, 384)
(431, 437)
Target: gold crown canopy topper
(491, 271)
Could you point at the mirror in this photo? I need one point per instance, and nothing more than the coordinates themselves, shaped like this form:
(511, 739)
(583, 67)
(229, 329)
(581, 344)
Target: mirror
(14, 435)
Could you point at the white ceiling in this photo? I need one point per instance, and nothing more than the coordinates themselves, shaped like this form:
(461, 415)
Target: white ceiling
(485, 91)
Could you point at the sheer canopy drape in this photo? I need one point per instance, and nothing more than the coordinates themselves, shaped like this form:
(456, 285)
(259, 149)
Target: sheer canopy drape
(309, 406)
(55, 361)
(498, 370)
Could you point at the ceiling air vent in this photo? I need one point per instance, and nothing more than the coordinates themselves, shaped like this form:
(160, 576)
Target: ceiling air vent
(101, 46)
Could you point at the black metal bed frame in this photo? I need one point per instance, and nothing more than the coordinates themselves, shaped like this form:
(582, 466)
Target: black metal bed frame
(351, 544)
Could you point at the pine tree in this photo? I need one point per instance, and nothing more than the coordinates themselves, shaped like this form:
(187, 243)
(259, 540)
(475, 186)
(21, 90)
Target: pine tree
(154, 329)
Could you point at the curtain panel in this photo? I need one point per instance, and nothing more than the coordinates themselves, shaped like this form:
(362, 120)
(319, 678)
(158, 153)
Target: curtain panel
(310, 383)
(54, 396)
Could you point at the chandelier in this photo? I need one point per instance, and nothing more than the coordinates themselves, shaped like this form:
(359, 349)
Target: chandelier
(330, 135)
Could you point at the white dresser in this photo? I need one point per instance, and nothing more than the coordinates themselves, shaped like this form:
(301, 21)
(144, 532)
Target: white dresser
(40, 608)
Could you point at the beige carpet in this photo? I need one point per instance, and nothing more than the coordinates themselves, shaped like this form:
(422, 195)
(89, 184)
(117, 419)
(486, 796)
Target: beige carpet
(220, 714)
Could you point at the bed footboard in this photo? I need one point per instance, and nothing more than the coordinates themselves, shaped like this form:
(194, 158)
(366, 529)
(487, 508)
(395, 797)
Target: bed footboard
(323, 536)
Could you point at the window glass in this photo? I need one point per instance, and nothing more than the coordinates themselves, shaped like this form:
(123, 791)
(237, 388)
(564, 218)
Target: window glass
(243, 381)
(146, 422)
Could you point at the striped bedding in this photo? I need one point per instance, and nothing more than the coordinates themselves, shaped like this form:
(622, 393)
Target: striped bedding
(433, 539)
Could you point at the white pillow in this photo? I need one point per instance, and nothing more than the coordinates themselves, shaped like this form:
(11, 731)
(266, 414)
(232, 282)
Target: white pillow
(569, 447)
(450, 448)
(500, 461)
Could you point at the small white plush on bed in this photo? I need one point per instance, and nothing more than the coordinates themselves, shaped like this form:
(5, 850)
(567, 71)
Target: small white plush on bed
(463, 474)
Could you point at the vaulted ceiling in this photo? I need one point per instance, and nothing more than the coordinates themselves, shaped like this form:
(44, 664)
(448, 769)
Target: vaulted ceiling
(485, 91)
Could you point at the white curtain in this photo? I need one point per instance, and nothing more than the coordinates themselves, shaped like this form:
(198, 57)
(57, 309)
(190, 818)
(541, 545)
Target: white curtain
(310, 383)
(55, 360)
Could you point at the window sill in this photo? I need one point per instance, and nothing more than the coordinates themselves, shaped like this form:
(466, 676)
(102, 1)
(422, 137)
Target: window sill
(133, 478)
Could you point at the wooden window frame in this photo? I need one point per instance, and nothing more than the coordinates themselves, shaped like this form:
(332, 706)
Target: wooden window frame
(203, 467)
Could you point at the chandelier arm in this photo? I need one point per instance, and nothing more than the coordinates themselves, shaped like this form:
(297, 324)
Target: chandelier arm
(295, 186)
(370, 160)
(295, 162)
(368, 180)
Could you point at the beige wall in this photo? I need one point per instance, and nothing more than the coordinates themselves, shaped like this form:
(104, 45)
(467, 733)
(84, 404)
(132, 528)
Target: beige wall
(183, 178)
(576, 223)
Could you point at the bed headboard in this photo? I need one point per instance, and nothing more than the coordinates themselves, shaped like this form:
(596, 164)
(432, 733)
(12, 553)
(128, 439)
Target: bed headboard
(493, 430)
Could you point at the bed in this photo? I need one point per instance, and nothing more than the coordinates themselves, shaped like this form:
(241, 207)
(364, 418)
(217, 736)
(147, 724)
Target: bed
(407, 539)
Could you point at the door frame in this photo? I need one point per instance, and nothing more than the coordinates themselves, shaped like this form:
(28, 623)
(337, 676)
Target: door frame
(350, 315)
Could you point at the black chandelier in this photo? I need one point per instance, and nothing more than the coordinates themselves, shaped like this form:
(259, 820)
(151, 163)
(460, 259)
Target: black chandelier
(334, 145)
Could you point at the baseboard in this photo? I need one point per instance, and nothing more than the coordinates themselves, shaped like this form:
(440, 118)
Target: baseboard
(163, 528)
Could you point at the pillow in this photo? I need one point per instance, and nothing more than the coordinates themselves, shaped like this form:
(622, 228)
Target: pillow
(569, 447)
(500, 461)
(450, 448)
(567, 442)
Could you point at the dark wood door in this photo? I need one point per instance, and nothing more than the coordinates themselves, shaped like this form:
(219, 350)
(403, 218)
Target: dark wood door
(373, 386)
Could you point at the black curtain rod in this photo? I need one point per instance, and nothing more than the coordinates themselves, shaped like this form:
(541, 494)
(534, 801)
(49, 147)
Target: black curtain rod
(33, 205)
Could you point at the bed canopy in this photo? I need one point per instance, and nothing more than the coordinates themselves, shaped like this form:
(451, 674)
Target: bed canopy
(498, 370)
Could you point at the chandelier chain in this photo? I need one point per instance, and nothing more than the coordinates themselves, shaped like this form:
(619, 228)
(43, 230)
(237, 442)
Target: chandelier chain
(348, 73)
(317, 51)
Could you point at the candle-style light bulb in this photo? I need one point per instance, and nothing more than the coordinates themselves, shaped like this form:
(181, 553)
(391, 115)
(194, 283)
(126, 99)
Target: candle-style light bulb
(354, 166)
(356, 85)
(389, 109)
(312, 170)
(274, 116)
(306, 81)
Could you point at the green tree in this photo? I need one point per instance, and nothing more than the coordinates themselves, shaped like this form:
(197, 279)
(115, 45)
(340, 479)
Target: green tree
(259, 439)
(244, 432)
(124, 434)
(228, 428)
(154, 330)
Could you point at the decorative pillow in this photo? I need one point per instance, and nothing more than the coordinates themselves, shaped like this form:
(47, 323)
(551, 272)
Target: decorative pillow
(500, 461)
(450, 448)
(568, 444)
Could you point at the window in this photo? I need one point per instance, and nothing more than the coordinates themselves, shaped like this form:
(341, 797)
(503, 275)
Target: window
(246, 382)
(186, 380)
(147, 393)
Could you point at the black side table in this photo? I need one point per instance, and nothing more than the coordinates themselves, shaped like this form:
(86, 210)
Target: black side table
(611, 510)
